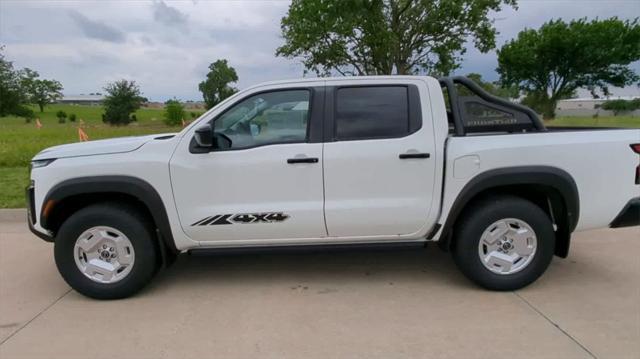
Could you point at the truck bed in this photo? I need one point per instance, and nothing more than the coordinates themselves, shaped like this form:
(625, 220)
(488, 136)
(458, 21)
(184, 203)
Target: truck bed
(595, 158)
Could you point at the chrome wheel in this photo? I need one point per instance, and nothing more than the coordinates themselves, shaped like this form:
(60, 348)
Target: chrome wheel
(104, 254)
(507, 246)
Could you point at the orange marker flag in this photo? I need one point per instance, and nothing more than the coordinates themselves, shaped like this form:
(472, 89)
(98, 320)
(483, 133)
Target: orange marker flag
(38, 124)
(82, 136)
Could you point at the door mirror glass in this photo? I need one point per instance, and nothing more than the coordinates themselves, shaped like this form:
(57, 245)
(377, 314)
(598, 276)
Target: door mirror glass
(204, 136)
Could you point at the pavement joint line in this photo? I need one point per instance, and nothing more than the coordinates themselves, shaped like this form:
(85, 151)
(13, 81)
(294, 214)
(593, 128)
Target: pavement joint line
(36, 316)
(557, 326)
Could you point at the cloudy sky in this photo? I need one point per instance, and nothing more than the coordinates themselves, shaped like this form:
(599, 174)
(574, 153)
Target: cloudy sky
(166, 46)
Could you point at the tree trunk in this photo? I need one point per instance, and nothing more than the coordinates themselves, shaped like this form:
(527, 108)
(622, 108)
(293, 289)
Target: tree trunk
(41, 107)
(550, 108)
(402, 68)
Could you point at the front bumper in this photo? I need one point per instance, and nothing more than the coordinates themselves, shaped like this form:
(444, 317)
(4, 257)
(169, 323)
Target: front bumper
(629, 216)
(31, 215)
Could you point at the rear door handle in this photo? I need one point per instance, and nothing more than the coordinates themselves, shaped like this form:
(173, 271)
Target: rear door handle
(414, 155)
(302, 160)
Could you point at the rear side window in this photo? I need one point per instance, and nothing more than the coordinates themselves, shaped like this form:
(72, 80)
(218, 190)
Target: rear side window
(371, 112)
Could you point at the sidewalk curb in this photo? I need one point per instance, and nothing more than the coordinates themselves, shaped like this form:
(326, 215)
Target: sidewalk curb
(13, 214)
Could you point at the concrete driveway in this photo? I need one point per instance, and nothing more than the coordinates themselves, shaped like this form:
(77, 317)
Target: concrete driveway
(332, 305)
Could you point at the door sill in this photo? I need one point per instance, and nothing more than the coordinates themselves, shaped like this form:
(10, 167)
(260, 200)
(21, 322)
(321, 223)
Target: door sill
(307, 248)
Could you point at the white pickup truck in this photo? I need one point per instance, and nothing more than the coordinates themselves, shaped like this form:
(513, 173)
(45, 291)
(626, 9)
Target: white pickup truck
(336, 163)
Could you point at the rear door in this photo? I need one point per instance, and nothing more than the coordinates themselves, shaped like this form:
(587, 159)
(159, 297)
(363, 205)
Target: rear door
(378, 167)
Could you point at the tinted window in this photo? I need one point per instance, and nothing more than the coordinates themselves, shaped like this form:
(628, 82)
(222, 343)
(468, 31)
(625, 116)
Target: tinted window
(371, 112)
(270, 117)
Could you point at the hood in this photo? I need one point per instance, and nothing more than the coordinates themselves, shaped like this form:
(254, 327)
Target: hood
(99, 147)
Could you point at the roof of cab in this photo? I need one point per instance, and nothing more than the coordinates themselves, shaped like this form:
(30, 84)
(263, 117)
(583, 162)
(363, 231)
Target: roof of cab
(343, 78)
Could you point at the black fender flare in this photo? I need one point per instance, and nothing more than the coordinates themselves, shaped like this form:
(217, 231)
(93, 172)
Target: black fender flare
(553, 177)
(128, 185)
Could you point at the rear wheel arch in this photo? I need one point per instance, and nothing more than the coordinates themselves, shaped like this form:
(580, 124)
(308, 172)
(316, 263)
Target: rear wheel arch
(551, 188)
(69, 196)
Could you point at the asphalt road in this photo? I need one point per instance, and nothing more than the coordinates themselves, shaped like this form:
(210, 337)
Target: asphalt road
(402, 303)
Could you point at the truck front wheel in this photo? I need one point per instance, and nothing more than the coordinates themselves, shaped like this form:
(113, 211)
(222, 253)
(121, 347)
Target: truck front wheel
(106, 251)
(503, 243)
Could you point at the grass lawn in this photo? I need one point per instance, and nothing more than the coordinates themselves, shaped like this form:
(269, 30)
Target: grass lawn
(20, 141)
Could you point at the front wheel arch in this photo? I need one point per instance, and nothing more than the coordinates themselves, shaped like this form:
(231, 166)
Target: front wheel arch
(69, 196)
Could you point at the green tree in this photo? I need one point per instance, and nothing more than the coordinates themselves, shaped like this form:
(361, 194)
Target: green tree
(40, 91)
(217, 86)
(495, 88)
(552, 62)
(123, 98)
(13, 98)
(72, 117)
(621, 106)
(383, 37)
(173, 112)
(62, 116)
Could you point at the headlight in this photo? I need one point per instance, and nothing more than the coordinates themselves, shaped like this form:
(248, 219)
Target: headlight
(41, 163)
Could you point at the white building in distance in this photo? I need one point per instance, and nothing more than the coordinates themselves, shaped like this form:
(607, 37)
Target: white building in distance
(588, 106)
(92, 99)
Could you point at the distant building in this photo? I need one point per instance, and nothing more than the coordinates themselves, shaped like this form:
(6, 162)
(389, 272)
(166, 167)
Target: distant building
(587, 106)
(194, 105)
(82, 99)
(188, 105)
(153, 104)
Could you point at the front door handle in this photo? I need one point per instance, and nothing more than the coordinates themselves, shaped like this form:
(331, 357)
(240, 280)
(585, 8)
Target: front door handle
(414, 155)
(302, 160)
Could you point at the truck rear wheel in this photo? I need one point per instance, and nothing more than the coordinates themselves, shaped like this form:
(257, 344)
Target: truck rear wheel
(503, 243)
(106, 251)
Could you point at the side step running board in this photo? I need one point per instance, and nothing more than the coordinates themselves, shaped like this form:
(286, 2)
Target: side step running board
(310, 248)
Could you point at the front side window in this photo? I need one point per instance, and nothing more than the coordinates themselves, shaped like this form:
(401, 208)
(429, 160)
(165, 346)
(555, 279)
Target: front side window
(371, 112)
(266, 118)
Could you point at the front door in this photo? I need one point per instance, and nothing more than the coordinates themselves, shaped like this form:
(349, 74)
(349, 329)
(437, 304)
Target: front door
(267, 184)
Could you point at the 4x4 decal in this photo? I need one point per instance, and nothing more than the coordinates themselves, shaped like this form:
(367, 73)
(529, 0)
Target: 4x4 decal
(242, 218)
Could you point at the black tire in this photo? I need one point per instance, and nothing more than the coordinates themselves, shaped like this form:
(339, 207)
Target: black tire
(125, 219)
(482, 214)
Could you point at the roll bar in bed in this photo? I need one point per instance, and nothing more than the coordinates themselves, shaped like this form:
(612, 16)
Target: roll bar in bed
(472, 109)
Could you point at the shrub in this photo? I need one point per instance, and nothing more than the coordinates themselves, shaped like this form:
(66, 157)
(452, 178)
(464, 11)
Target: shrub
(173, 112)
(72, 117)
(62, 116)
(23, 111)
(122, 100)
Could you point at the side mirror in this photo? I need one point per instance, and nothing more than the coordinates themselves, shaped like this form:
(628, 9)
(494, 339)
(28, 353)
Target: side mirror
(204, 136)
